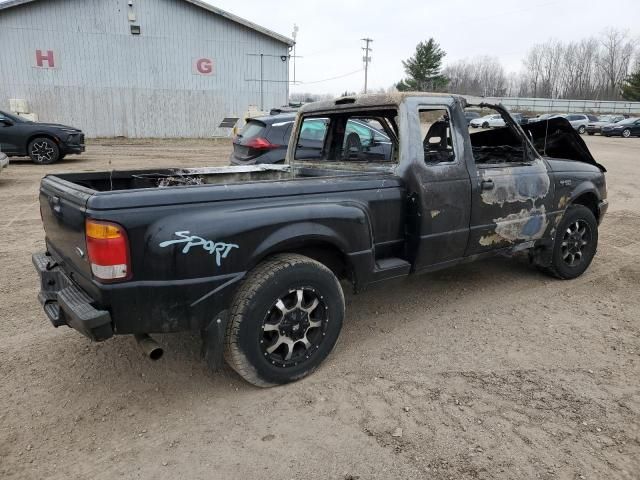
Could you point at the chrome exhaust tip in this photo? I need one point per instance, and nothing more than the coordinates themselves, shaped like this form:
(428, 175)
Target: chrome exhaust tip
(149, 346)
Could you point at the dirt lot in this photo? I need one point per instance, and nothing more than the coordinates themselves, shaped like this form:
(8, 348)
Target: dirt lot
(490, 370)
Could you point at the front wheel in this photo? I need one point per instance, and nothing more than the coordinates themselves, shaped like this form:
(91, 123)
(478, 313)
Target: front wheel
(626, 133)
(485, 125)
(43, 151)
(285, 320)
(575, 243)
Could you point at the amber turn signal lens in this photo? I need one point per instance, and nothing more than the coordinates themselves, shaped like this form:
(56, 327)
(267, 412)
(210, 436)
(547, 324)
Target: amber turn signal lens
(102, 230)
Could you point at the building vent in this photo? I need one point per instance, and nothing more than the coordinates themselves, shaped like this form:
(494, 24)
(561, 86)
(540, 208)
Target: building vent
(135, 29)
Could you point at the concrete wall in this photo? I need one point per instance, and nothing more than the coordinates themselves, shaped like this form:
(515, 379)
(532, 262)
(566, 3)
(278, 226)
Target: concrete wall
(112, 83)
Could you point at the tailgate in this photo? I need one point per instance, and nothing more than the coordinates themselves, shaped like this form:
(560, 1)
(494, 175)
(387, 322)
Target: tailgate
(63, 207)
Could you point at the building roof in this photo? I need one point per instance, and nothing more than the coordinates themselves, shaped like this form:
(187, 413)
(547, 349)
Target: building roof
(199, 3)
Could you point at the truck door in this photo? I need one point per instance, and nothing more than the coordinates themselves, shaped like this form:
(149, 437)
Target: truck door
(440, 187)
(511, 190)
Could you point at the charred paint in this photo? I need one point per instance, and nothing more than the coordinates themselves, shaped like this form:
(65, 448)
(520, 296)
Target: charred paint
(510, 187)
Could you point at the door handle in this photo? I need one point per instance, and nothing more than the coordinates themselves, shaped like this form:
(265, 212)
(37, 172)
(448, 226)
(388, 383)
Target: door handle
(487, 184)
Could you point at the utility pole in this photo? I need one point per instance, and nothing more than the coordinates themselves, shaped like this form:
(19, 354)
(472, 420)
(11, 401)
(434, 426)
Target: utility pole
(295, 38)
(366, 59)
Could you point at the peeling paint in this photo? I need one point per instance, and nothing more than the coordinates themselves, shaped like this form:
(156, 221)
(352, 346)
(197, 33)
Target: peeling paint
(490, 240)
(564, 201)
(525, 225)
(512, 187)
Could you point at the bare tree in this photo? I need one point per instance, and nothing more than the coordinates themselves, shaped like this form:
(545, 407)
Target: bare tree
(483, 76)
(533, 68)
(614, 60)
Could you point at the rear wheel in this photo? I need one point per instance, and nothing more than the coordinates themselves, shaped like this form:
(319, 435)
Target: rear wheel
(582, 129)
(575, 244)
(43, 151)
(285, 320)
(626, 133)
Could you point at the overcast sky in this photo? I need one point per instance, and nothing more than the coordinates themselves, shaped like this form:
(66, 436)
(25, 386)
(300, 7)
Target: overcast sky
(330, 31)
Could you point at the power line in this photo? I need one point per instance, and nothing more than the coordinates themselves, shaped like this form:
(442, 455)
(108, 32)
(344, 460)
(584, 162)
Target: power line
(366, 60)
(333, 78)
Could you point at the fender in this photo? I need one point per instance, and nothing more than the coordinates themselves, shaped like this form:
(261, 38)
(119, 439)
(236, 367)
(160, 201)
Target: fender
(586, 186)
(352, 236)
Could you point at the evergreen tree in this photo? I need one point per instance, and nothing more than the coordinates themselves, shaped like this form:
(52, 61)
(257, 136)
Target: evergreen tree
(423, 69)
(631, 87)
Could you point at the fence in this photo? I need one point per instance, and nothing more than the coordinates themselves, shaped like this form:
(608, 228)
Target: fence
(556, 105)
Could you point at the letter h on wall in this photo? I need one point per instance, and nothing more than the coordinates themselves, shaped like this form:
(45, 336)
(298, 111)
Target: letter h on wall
(41, 58)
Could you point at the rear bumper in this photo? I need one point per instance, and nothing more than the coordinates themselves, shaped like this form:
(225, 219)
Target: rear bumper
(65, 303)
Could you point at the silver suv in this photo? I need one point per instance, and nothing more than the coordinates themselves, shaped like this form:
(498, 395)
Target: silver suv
(579, 121)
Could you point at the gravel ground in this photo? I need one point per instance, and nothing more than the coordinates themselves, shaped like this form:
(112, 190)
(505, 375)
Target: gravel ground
(488, 370)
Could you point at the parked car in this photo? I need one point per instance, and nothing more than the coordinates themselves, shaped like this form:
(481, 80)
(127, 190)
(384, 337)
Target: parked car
(596, 127)
(471, 116)
(265, 139)
(496, 121)
(544, 116)
(486, 121)
(626, 128)
(4, 160)
(251, 256)
(579, 121)
(45, 143)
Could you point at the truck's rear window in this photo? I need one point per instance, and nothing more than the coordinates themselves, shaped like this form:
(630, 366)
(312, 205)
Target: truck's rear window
(368, 137)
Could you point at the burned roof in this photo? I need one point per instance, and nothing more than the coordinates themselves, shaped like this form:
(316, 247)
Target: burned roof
(376, 100)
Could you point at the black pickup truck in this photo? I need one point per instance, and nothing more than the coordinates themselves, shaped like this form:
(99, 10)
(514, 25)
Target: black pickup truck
(253, 257)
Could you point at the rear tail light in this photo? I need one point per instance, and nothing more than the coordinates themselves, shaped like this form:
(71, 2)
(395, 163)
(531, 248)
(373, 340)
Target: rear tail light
(108, 250)
(260, 143)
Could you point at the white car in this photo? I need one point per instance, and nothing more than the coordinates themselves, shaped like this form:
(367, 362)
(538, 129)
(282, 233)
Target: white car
(487, 121)
(4, 161)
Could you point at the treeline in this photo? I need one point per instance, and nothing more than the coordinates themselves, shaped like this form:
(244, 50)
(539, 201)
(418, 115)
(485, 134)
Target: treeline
(605, 67)
(594, 68)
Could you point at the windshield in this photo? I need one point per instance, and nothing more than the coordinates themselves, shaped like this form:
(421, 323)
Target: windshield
(15, 118)
(628, 121)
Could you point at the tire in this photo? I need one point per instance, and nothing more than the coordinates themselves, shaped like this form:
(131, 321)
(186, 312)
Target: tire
(267, 312)
(43, 151)
(591, 133)
(485, 125)
(566, 262)
(582, 129)
(626, 133)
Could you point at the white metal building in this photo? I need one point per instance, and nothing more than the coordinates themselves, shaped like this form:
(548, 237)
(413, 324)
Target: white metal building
(138, 68)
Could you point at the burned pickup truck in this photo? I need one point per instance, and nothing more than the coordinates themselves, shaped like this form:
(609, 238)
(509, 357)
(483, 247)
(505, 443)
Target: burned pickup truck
(255, 258)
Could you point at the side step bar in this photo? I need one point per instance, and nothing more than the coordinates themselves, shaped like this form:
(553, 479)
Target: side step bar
(388, 268)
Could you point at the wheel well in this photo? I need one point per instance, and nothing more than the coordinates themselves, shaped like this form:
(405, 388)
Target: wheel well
(590, 201)
(327, 254)
(43, 135)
